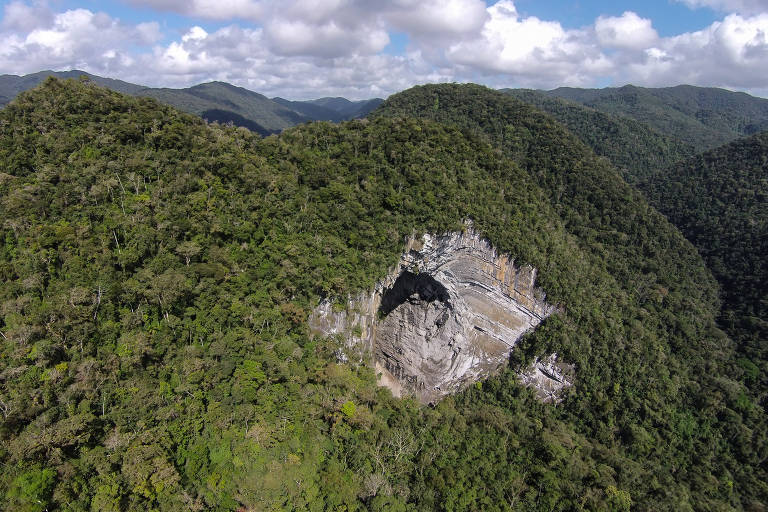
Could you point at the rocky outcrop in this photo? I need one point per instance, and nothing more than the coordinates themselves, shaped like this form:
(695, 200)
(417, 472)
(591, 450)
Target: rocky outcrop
(549, 377)
(447, 315)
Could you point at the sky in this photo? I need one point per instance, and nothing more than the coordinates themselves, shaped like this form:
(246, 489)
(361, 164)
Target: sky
(303, 49)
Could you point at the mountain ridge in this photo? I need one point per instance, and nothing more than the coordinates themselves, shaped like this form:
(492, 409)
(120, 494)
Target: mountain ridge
(704, 117)
(214, 101)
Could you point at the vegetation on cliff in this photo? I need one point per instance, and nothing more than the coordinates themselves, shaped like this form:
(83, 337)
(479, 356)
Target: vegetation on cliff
(157, 274)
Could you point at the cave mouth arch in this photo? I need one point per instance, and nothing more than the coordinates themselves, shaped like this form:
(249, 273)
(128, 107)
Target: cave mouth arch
(409, 284)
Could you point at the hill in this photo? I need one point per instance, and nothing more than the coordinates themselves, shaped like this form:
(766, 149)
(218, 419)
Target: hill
(332, 109)
(702, 117)
(590, 197)
(633, 147)
(13, 85)
(311, 110)
(222, 102)
(158, 273)
(215, 101)
(348, 109)
(719, 200)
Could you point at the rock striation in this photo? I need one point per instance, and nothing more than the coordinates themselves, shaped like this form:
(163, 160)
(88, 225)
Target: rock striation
(447, 315)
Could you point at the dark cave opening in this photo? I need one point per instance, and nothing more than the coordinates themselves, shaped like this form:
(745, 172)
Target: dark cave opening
(409, 284)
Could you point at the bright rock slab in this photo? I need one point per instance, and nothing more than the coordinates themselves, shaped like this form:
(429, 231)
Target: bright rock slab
(448, 315)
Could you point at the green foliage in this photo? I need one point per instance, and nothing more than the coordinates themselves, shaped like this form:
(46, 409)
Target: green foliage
(633, 147)
(612, 224)
(155, 353)
(702, 117)
(32, 489)
(719, 200)
(348, 409)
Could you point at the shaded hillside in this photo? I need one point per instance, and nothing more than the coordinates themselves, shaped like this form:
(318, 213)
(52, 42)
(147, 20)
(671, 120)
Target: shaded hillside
(633, 147)
(346, 108)
(316, 112)
(719, 200)
(332, 109)
(214, 100)
(702, 117)
(158, 273)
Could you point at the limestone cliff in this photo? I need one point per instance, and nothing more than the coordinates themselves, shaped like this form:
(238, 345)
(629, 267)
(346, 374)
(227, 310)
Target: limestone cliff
(447, 315)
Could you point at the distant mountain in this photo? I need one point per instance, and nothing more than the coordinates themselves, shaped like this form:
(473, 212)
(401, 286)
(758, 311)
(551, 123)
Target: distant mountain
(635, 148)
(309, 109)
(214, 101)
(348, 109)
(332, 109)
(12, 85)
(702, 117)
(223, 102)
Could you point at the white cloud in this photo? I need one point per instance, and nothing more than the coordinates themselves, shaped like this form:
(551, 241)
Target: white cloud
(18, 16)
(336, 48)
(242, 57)
(437, 17)
(66, 40)
(732, 6)
(731, 53)
(330, 39)
(628, 31)
(208, 9)
(530, 51)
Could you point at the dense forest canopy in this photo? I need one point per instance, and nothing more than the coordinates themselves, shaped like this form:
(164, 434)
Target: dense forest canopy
(157, 275)
(704, 117)
(635, 148)
(719, 200)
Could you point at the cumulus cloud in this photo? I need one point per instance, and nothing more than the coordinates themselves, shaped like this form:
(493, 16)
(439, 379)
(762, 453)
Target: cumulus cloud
(437, 17)
(305, 48)
(241, 56)
(209, 9)
(66, 40)
(329, 39)
(628, 31)
(18, 16)
(731, 53)
(732, 6)
(529, 50)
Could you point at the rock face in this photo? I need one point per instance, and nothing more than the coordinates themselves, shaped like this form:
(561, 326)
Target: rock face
(449, 314)
(548, 377)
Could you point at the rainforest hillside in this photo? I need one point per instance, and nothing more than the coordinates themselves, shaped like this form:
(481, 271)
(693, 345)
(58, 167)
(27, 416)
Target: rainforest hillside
(704, 117)
(719, 200)
(158, 272)
(633, 147)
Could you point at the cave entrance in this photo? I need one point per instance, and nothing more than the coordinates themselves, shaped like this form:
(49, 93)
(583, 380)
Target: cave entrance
(408, 284)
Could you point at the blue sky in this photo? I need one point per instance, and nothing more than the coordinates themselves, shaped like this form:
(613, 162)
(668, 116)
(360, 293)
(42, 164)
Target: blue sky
(669, 18)
(363, 48)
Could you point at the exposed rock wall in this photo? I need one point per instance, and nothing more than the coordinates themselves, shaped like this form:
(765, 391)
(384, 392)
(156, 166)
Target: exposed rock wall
(447, 315)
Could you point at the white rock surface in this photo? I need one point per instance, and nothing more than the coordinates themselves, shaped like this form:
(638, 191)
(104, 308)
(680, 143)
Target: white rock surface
(548, 377)
(449, 314)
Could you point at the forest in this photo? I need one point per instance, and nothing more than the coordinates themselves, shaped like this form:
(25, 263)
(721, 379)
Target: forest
(158, 271)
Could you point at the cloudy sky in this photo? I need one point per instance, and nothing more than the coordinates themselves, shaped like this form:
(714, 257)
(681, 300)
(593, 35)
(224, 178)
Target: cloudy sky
(302, 49)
